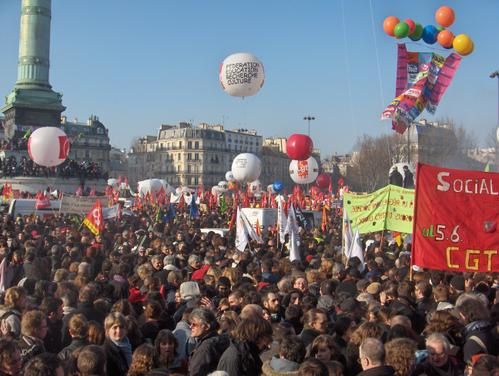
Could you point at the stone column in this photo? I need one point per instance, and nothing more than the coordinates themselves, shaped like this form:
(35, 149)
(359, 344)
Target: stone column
(34, 45)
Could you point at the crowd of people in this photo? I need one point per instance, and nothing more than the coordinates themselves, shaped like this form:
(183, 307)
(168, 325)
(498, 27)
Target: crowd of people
(10, 167)
(152, 298)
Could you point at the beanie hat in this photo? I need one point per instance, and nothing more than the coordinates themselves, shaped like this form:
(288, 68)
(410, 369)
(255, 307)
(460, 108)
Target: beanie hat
(189, 290)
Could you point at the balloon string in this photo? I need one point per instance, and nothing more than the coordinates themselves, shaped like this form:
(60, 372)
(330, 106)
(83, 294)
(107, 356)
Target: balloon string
(380, 80)
(347, 64)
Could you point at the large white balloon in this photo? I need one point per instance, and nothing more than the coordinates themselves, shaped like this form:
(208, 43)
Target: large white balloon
(149, 186)
(304, 172)
(48, 146)
(229, 176)
(246, 167)
(242, 74)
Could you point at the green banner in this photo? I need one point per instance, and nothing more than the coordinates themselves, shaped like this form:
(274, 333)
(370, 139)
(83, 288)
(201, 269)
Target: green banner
(389, 208)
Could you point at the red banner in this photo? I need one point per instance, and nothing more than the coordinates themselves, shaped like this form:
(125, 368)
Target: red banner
(456, 222)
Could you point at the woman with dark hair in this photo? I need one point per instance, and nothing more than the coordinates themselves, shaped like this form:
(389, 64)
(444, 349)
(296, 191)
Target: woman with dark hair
(252, 336)
(166, 346)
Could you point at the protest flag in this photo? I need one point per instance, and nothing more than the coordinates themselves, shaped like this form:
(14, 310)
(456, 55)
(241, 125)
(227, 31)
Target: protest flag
(94, 220)
(294, 237)
(241, 232)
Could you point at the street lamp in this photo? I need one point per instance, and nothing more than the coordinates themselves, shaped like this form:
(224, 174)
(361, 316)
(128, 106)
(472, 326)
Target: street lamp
(308, 119)
(496, 75)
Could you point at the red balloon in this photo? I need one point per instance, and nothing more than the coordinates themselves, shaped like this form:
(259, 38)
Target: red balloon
(412, 25)
(323, 180)
(299, 147)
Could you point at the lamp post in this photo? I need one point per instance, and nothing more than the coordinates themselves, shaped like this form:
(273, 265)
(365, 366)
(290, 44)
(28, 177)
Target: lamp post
(496, 75)
(308, 119)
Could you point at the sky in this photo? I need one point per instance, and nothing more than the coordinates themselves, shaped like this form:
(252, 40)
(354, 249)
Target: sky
(140, 64)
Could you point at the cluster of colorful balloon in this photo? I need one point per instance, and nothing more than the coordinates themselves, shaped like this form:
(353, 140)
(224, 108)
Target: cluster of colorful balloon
(431, 34)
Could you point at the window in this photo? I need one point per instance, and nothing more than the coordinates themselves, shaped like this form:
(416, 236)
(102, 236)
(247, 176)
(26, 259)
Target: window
(180, 144)
(189, 156)
(189, 145)
(196, 156)
(178, 156)
(196, 145)
(189, 169)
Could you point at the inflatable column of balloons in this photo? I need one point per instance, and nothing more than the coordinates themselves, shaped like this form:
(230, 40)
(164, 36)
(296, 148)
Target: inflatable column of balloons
(430, 34)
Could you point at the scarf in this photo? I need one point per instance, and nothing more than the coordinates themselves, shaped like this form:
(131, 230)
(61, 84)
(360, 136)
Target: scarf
(126, 348)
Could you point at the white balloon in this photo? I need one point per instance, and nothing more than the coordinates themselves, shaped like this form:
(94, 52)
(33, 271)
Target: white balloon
(112, 182)
(223, 184)
(48, 146)
(229, 176)
(304, 172)
(149, 186)
(246, 167)
(217, 191)
(255, 186)
(242, 74)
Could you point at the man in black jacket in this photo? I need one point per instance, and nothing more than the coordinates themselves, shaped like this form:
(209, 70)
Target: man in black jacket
(372, 359)
(209, 347)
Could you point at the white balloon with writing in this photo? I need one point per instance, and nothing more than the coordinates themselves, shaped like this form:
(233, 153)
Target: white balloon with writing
(229, 176)
(242, 74)
(304, 172)
(48, 146)
(246, 167)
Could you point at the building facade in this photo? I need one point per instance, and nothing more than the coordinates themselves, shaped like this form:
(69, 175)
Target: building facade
(89, 141)
(201, 155)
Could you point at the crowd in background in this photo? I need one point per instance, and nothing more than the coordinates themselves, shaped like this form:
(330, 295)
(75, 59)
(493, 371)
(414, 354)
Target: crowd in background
(152, 298)
(10, 167)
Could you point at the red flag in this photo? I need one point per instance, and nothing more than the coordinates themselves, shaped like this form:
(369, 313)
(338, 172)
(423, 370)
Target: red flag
(94, 220)
(181, 202)
(455, 220)
(42, 201)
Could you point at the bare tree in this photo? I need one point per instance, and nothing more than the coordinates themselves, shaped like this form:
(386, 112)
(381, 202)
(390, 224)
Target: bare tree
(373, 158)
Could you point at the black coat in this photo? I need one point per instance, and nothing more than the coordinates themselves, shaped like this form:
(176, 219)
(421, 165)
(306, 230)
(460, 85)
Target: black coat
(378, 371)
(116, 363)
(76, 343)
(478, 340)
(241, 359)
(88, 310)
(206, 354)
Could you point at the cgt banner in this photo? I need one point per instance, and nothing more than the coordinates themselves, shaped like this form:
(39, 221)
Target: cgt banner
(388, 208)
(456, 220)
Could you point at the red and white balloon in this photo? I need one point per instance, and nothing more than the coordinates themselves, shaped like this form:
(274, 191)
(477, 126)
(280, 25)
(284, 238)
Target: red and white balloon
(304, 172)
(48, 146)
